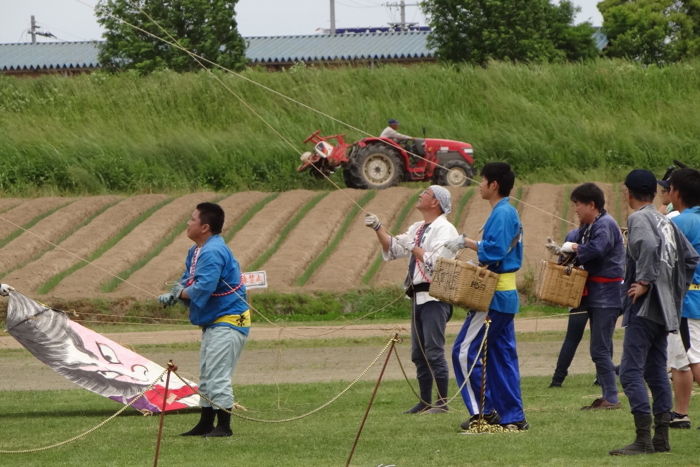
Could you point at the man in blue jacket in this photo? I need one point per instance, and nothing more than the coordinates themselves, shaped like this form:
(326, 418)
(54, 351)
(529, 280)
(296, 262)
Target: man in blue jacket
(212, 289)
(685, 196)
(597, 246)
(501, 249)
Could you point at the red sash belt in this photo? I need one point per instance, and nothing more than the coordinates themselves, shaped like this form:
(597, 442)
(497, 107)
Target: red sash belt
(600, 280)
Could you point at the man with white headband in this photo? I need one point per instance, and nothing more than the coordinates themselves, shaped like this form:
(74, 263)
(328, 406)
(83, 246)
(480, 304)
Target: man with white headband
(424, 242)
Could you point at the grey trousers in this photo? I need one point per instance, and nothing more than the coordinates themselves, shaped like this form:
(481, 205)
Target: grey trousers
(428, 339)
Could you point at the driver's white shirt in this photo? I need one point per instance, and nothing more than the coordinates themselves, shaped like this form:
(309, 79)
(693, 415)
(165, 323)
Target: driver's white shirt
(389, 132)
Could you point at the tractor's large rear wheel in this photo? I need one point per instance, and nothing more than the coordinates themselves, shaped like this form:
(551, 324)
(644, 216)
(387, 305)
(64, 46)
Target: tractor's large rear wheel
(375, 166)
(455, 173)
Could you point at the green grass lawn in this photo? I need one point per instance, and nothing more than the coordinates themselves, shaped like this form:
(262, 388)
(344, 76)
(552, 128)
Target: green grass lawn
(560, 433)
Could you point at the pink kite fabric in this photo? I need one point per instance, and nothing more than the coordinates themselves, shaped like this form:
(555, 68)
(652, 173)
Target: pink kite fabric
(93, 361)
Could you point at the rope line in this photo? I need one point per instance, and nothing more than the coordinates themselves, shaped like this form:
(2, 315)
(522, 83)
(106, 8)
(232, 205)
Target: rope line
(84, 434)
(307, 414)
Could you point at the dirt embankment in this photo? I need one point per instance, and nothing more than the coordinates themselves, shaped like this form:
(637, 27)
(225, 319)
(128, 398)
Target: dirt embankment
(539, 214)
(169, 264)
(309, 238)
(263, 229)
(343, 269)
(8, 203)
(24, 212)
(85, 282)
(347, 265)
(32, 273)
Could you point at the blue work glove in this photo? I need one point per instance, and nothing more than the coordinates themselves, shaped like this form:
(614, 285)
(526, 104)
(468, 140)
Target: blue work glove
(171, 298)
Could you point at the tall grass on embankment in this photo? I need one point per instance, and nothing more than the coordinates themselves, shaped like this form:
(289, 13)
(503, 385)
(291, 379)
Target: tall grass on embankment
(172, 132)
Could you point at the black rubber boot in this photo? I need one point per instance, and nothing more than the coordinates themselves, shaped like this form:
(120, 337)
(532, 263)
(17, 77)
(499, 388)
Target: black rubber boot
(642, 444)
(440, 406)
(661, 424)
(205, 425)
(223, 426)
(426, 395)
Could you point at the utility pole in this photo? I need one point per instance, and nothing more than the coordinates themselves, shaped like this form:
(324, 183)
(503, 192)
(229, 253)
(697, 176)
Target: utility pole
(333, 17)
(33, 30)
(402, 6)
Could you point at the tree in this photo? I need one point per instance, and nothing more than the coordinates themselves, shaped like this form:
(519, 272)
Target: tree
(477, 31)
(652, 31)
(206, 27)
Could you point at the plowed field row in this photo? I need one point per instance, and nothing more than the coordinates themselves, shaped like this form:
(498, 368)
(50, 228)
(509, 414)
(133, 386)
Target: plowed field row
(142, 237)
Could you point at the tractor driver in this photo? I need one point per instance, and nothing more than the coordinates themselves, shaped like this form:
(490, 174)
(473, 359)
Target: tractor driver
(391, 132)
(405, 141)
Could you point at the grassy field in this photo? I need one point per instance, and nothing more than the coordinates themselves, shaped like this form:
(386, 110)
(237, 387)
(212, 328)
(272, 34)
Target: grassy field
(560, 433)
(176, 132)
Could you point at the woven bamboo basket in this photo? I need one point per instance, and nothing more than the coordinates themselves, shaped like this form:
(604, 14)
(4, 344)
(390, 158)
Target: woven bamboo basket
(464, 284)
(560, 285)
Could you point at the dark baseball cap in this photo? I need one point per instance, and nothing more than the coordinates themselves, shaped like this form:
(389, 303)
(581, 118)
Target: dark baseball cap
(641, 181)
(393, 121)
(665, 184)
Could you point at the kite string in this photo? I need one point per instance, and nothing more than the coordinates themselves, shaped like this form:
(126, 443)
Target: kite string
(307, 414)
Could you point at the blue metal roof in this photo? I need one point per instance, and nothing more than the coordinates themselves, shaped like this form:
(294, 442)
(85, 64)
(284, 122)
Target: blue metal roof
(260, 50)
(339, 47)
(49, 56)
(264, 50)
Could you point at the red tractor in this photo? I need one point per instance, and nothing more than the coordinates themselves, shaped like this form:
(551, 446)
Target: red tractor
(381, 162)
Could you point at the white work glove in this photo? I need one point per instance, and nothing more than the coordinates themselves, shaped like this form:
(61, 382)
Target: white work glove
(5, 289)
(567, 247)
(552, 246)
(171, 298)
(372, 221)
(455, 244)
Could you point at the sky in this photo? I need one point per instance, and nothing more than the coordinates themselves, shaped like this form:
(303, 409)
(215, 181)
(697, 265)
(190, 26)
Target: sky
(74, 20)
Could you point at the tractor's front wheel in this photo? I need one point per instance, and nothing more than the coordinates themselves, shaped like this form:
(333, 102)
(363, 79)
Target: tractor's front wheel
(375, 166)
(454, 173)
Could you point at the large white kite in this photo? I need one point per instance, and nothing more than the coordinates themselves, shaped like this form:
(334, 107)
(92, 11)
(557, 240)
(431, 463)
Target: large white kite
(91, 360)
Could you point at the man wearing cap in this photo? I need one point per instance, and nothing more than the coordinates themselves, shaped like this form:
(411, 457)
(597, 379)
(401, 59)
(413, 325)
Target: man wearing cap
(660, 264)
(501, 249)
(391, 132)
(424, 242)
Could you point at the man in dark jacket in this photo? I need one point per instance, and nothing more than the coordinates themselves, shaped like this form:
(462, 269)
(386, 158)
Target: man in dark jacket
(597, 246)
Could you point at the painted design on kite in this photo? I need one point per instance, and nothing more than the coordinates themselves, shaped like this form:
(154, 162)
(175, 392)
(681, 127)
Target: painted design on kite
(91, 360)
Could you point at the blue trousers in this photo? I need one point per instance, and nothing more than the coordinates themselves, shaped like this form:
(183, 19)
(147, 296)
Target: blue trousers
(218, 354)
(601, 346)
(502, 392)
(644, 360)
(602, 329)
